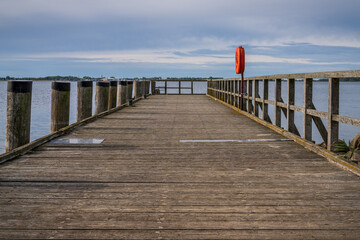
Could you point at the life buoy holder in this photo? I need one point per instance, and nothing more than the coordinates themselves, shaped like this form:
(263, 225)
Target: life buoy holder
(240, 60)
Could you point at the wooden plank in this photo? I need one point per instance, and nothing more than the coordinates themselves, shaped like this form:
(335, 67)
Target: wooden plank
(143, 183)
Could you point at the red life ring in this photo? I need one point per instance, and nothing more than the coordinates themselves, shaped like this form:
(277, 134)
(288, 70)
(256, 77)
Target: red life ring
(240, 60)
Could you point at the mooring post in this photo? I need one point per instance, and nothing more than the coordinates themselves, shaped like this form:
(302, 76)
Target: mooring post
(333, 108)
(84, 99)
(143, 89)
(153, 87)
(136, 89)
(277, 114)
(18, 114)
(122, 93)
(113, 86)
(101, 97)
(147, 87)
(129, 94)
(307, 119)
(60, 105)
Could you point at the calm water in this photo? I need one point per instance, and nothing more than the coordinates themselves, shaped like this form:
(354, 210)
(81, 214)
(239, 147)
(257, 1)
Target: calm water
(40, 112)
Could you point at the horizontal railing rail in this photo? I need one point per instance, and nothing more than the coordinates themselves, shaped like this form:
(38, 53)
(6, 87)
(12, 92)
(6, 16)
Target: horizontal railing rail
(228, 91)
(157, 89)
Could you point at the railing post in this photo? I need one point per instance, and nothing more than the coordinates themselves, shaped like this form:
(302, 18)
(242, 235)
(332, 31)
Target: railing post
(165, 87)
(245, 95)
(60, 105)
(192, 87)
(227, 92)
(333, 108)
(265, 114)
(230, 92)
(277, 115)
(238, 92)
(222, 89)
(307, 119)
(290, 124)
(256, 93)
(18, 114)
(179, 87)
(84, 99)
(234, 93)
(250, 106)
(123, 89)
(112, 94)
(101, 97)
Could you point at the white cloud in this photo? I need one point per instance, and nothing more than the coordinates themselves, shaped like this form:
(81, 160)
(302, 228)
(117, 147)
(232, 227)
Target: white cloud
(350, 40)
(166, 56)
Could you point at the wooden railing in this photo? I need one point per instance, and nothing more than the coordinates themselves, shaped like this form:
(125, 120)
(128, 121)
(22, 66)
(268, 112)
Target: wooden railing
(228, 91)
(164, 90)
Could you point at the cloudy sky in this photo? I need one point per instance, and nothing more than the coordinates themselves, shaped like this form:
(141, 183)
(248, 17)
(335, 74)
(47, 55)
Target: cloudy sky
(136, 38)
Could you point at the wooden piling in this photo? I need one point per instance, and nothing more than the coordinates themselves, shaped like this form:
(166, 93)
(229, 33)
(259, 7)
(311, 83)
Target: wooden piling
(112, 94)
(129, 94)
(147, 87)
(153, 87)
(101, 97)
(122, 93)
(18, 115)
(137, 89)
(84, 99)
(60, 105)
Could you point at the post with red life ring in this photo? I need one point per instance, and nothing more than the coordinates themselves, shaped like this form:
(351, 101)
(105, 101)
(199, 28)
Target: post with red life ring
(240, 68)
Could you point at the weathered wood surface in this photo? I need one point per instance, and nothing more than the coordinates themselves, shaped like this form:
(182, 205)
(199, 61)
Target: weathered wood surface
(142, 183)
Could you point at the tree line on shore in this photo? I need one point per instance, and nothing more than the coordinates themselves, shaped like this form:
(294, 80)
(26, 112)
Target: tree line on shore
(73, 78)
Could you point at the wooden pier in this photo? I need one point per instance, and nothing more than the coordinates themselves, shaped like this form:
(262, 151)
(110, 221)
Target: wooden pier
(147, 180)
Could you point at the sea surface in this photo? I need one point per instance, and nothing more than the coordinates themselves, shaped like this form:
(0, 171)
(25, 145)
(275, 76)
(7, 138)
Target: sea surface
(41, 98)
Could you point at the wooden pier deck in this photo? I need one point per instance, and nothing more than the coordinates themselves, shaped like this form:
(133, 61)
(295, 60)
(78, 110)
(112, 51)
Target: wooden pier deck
(142, 182)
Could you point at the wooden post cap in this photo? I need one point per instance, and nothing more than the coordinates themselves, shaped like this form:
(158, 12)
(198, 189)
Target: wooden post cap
(19, 86)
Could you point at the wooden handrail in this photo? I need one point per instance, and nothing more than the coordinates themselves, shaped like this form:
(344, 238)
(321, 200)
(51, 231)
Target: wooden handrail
(227, 90)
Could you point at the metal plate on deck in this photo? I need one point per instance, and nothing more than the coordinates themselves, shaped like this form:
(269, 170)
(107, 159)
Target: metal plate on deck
(78, 140)
(235, 140)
